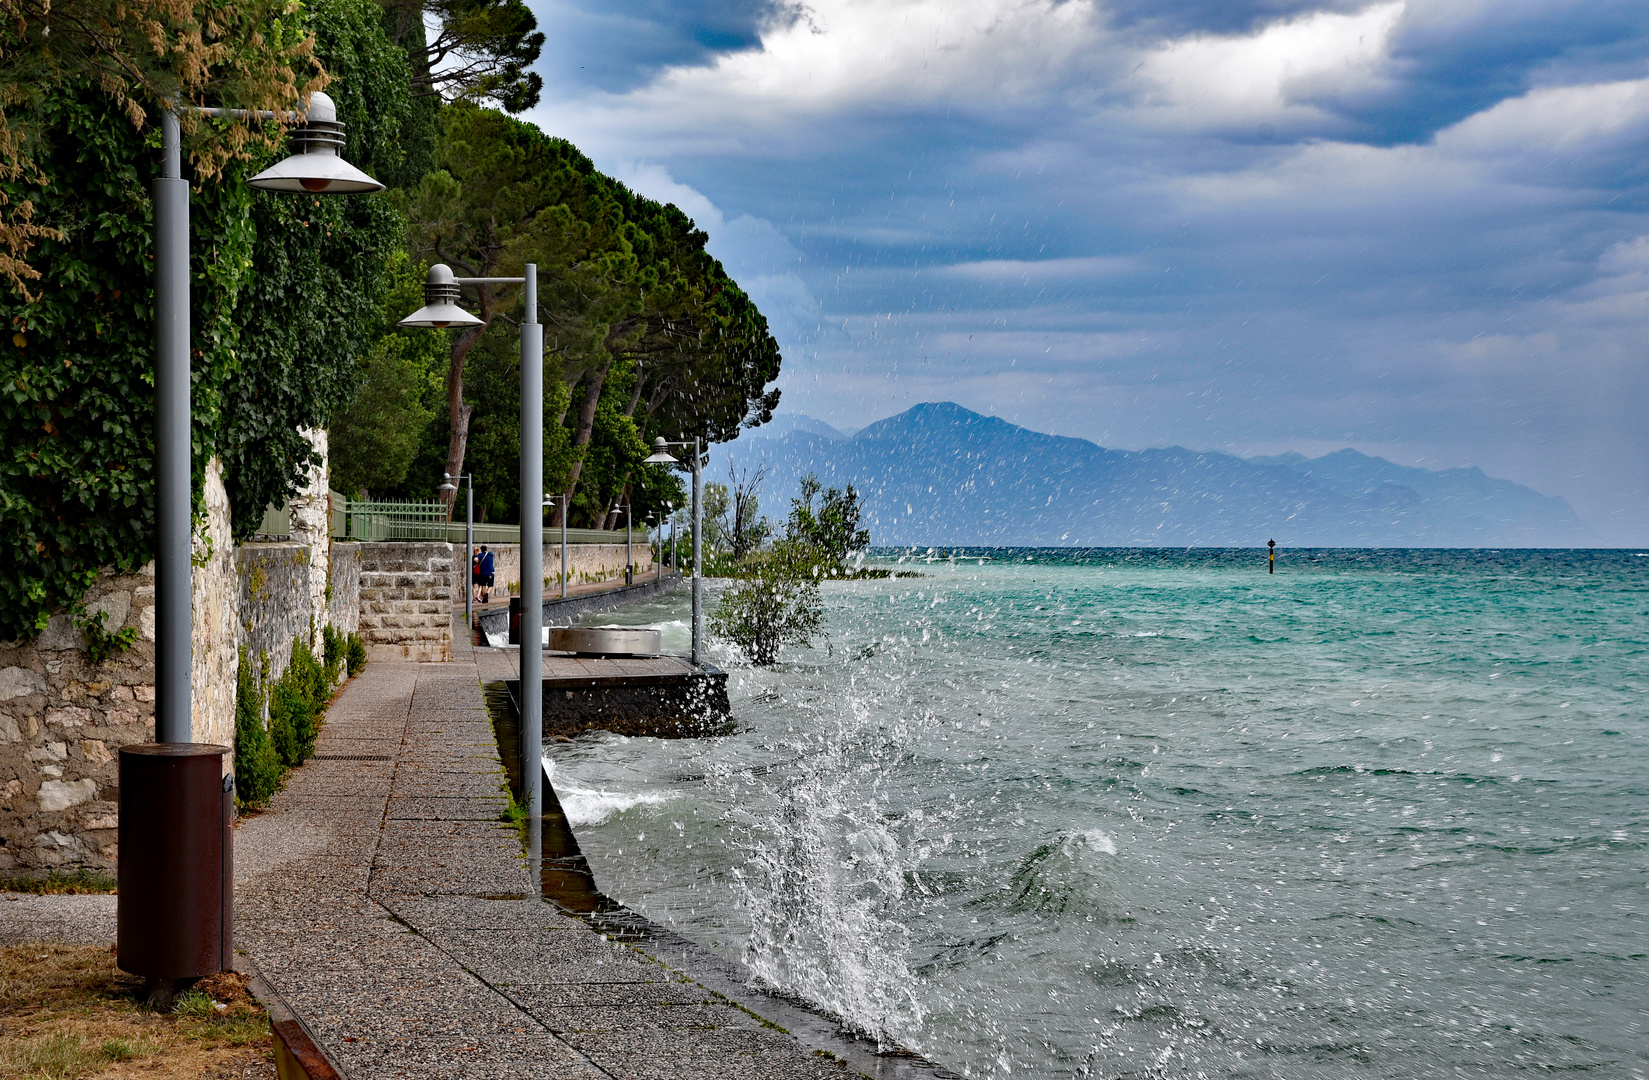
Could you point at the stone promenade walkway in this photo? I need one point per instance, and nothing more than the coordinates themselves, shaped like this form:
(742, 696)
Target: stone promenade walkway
(384, 904)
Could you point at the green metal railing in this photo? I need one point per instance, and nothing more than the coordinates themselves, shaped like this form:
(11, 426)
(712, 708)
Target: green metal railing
(397, 521)
(384, 520)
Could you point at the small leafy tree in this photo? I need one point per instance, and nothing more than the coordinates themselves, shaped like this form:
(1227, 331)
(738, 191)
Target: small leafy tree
(258, 767)
(824, 538)
(773, 607)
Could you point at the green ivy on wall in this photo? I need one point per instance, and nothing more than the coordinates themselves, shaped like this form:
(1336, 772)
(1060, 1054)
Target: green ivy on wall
(283, 295)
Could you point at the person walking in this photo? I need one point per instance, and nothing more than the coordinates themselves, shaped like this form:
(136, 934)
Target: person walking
(486, 574)
(475, 577)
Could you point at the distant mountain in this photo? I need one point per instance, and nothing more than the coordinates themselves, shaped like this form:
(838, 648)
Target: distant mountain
(785, 423)
(938, 474)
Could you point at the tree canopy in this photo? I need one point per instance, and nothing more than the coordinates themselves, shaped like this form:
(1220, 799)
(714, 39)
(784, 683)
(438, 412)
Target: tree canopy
(295, 297)
(645, 332)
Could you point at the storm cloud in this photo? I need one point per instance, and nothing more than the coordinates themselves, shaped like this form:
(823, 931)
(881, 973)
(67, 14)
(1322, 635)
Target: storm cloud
(1418, 228)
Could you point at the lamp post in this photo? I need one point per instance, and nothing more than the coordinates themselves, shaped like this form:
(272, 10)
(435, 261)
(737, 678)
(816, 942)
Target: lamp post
(441, 310)
(655, 527)
(314, 168)
(661, 456)
(449, 484)
(169, 928)
(551, 500)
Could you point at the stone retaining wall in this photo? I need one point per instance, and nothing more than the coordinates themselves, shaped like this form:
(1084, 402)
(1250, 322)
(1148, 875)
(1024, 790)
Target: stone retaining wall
(585, 563)
(275, 594)
(406, 600)
(64, 719)
(343, 587)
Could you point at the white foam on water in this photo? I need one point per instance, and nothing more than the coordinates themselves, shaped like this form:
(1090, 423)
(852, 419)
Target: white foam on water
(1098, 840)
(592, 806)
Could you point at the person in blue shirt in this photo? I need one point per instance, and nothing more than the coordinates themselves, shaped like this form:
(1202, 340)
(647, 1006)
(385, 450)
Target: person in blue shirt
(486, 573)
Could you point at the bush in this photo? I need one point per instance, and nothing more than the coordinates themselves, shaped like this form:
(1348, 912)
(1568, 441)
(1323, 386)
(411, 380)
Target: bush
(354, 654)
(333, 646)
(296, 704)
(297, 700)
(767, 610)
(258, 768)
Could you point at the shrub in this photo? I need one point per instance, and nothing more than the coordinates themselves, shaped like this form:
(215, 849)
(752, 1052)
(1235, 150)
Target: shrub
(769, 609)
(258, 768)
(334, 646)
(296, 702)
(354, 654)
(291, 723)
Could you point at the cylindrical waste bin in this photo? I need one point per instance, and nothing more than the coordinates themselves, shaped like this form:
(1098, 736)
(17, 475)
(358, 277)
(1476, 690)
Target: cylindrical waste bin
(515, 620)
(175, 918)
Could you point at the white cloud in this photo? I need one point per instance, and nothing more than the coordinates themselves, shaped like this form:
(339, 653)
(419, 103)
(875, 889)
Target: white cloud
(1016, 270)
(844, 52)
(1272, 75)
(1552, 118)
(1509, 144)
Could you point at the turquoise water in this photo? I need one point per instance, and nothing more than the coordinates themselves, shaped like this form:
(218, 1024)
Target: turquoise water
(1151, 813)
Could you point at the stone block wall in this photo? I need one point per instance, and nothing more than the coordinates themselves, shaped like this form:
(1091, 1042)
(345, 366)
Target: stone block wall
(215, 629)
(343, 591)
(275, 594)
(406, 600)
(585, 563)
(63, 721)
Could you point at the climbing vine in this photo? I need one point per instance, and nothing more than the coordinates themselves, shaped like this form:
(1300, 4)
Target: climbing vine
(279, 287)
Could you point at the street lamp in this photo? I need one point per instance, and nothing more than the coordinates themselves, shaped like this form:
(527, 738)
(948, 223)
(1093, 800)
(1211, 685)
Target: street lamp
(450, 484)
(315, 168)
(441, 310)
(661, 456)
(655, 526)
(169, 929)
(551, 500)
(629, 549)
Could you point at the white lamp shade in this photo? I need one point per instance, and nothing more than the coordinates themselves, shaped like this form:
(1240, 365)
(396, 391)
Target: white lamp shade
(439, 310)
(439, 317)
(315, 172)
(315, 167)
(660, 458)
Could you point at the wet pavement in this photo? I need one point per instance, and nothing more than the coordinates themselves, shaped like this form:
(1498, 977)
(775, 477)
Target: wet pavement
(386, 906)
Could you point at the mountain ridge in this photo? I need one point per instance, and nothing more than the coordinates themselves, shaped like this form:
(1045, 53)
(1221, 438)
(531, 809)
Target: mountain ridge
(942, 475)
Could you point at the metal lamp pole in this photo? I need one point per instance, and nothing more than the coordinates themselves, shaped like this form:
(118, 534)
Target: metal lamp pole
(469, 538)
(315, 168)
(551, 500)
(661, 456)
(175, 916)
(441, 310)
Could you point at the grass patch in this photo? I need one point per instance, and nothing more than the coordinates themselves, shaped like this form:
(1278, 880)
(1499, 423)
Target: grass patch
(57, 883)
(67, 1012)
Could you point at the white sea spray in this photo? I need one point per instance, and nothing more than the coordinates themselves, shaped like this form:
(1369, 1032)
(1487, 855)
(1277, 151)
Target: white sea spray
(830, 865)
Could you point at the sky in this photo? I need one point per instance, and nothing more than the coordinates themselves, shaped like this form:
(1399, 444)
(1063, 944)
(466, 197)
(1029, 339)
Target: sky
(1419, 228)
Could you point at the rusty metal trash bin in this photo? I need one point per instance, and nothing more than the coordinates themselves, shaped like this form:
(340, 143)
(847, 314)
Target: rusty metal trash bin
(175, 915)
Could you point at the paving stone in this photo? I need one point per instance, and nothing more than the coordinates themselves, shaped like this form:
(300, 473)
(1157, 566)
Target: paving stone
(722, 1054)
(541, 999)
